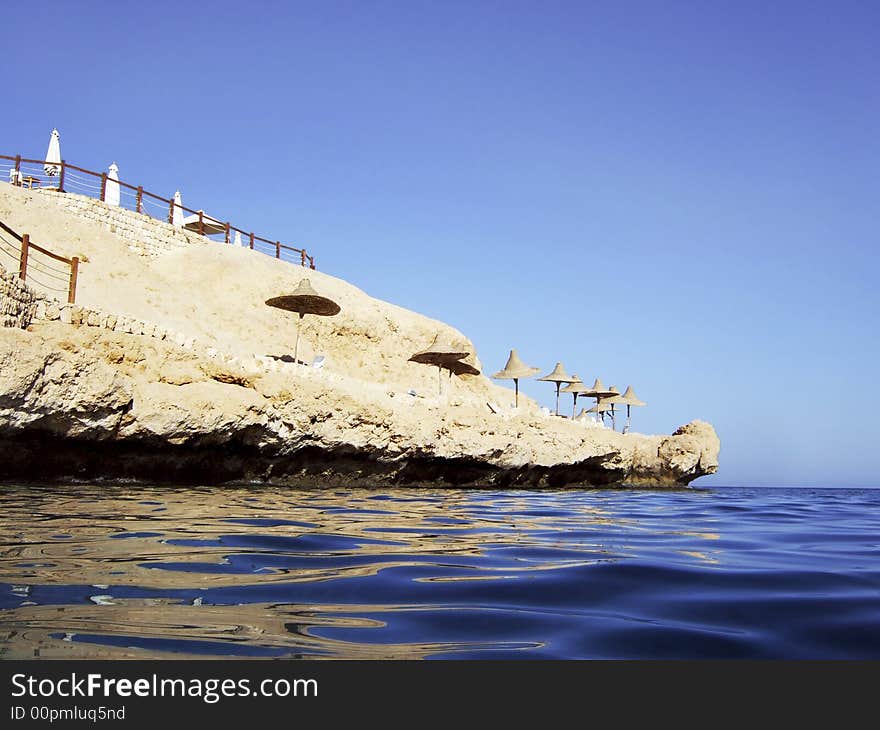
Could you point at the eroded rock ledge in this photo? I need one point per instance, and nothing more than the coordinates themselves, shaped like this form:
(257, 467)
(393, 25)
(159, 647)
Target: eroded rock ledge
(88, 403)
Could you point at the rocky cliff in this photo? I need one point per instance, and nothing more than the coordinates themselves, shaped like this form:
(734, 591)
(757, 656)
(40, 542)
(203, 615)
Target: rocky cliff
(166, 371)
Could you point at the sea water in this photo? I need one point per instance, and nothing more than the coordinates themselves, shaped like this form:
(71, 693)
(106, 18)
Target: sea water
(136, 571)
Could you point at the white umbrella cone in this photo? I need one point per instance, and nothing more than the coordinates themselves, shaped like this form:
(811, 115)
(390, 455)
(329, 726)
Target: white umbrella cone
(53, 156)
(111, 189)
(177, 210)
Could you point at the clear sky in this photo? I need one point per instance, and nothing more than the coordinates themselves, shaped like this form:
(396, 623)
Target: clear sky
(681, 196)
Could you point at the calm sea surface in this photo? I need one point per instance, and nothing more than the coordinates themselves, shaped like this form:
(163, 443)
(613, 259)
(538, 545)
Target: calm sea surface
(272, 572)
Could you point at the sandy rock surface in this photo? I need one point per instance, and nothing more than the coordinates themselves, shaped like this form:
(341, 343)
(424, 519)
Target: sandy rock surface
(164, 371)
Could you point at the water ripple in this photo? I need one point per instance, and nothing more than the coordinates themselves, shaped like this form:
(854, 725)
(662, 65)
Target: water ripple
(102, 571)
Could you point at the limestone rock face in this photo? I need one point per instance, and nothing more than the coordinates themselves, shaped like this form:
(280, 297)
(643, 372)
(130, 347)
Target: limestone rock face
(170, 367)
(56, 391)
(18, 302)
(92, 403)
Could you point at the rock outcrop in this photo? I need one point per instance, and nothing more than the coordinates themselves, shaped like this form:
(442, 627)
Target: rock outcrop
(171, 368)
(18, 301)
(87, 403)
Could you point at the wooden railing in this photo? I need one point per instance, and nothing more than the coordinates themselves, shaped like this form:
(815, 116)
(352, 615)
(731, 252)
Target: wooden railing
(44, 274)
(28, 173)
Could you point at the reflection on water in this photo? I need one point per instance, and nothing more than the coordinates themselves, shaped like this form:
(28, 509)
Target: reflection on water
(98, 571)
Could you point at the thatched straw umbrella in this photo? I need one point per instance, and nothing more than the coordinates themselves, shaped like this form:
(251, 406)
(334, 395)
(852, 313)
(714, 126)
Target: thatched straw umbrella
(599, 391)
(610, 401)
(558, 376)
(629, 399)
(459, 367)
(442, 353)
(576, 387)
(303, 301)
(601, 408)
(514, 370)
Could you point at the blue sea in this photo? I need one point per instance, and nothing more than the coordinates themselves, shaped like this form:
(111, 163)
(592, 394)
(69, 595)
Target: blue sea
(159, 572)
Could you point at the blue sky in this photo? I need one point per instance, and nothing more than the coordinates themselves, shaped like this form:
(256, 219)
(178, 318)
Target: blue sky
(681, 196)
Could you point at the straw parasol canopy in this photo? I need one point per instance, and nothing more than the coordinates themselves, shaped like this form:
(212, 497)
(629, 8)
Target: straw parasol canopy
(459, 367)
(514, 370)
(603, 407)
(610, 400)
(558, 376)
(599, 391)
(111, 187)
(304, 300)
(576, 388)
(629, 399)
(442, 353)
(53, 155)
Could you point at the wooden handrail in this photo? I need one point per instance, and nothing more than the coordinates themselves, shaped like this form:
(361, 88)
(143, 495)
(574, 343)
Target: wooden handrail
(23, 259)
(31, 244)
(26, 247)
(51, 255)
(140, 193)
(78, 169)
(158, 197)
(9, 230)
(74, 273)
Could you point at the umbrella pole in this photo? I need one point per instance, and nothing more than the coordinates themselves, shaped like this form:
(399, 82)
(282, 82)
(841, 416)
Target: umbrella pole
(574, 402)
(516, 390)
(613, 422)
(626, 428)
(557, 398)
(296, 343)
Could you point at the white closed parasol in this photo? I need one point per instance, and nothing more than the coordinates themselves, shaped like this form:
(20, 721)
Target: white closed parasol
(53, 156)
(177, 210)
(111, 189)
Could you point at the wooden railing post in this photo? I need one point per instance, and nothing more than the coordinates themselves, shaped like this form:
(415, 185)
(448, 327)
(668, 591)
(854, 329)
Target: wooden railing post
(22, 262)
(74, 272)
(18, 179)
